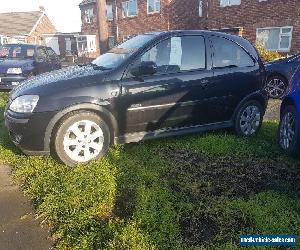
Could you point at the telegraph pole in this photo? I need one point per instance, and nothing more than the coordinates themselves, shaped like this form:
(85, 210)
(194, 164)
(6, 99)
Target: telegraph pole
(102, 26)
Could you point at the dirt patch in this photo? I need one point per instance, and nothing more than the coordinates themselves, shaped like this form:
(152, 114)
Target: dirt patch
(205, 181)
(201, 229)
(229, 177)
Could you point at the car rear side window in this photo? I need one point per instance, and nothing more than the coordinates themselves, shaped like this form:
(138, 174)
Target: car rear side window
(229, 54)
(177, 54)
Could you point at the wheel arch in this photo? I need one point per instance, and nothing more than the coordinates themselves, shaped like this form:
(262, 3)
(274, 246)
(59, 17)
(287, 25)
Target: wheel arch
(103, 112)
(256, 96)
(288, 101)
(275, 73)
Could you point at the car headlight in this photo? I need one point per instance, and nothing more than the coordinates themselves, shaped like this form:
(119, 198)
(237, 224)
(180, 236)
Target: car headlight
(24, 104)
(15, 71)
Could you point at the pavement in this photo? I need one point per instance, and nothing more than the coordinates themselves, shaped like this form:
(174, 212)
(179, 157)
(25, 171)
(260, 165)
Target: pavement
(19, 230)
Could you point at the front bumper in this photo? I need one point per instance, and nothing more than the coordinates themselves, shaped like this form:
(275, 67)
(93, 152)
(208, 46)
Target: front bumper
(8, 82)
(28, 131)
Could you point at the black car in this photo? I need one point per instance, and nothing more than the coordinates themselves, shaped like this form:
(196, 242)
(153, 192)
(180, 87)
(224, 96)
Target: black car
(279, 73)
(153, 85)
(21, 61)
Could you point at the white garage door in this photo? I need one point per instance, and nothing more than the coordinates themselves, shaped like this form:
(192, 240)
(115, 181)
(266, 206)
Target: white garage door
(53, 43)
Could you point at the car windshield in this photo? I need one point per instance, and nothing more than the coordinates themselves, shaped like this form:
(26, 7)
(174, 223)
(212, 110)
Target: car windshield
(116, 56)
(16, 51)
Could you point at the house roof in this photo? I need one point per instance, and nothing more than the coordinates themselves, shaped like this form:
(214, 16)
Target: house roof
(19, 23)
(85, 2)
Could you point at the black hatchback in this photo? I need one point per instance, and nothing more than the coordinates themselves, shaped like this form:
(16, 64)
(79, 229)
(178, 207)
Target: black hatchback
(21, 61)
(153, 85)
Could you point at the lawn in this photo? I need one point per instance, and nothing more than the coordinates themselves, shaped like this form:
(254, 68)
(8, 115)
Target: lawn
(193, 192)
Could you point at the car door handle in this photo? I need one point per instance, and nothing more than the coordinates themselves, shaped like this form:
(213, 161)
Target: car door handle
(204, 83)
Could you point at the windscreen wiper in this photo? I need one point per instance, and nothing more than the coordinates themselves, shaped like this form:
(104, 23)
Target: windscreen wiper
(97, 67)
(227, 67)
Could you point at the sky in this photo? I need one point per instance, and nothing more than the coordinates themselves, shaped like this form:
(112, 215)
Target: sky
(64, 14)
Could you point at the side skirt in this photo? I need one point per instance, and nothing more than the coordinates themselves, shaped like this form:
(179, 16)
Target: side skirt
(141, 136)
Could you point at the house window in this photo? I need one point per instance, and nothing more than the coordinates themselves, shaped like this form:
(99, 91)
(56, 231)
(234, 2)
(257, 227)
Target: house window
(200, 8)
(224, 3)
(153, 6)
(89, 15)
(275, 38)
(109, 11)
(129, 8)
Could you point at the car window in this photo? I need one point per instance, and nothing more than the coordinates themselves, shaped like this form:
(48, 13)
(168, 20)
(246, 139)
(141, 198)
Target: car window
(228, 53)
(119, 54)
(16, 52)
(52, 54)
(41, 54)
(176, 54)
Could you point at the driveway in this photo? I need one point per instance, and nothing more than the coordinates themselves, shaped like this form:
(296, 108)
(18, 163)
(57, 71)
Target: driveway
(19, 230)
(273, 111)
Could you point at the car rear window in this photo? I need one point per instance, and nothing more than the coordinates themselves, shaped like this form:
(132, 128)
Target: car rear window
(16, 51)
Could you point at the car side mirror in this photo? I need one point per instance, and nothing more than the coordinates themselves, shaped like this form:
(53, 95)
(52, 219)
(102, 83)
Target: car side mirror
(144, 69)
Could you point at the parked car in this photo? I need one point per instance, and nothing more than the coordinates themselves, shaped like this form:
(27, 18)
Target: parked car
(279, 73)
(153, 85)
(289, 128)
(21, 61)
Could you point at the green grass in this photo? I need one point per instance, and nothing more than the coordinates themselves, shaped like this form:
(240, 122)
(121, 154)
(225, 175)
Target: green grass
(193, 192)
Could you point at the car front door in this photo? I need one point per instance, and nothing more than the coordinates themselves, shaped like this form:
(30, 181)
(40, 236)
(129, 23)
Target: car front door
(173, 97)
(236, 75)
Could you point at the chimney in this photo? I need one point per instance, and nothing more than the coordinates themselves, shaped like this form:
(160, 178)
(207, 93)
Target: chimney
(42, 8)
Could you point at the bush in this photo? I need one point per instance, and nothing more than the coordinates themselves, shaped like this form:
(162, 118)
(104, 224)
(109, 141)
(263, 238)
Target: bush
(266, 55)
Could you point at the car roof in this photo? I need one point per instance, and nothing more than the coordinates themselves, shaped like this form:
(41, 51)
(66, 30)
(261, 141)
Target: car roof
(21, 44)
(191, 32)
(237, 39)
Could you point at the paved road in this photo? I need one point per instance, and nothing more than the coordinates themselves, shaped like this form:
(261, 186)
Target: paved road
(18, 228)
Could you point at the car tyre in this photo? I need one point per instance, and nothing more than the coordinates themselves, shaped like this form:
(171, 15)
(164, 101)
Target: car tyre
(249, 119)
(276, 87)
(80, 138)
(288, 132)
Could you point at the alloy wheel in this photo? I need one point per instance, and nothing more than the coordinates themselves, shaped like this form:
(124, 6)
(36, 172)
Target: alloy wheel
(250, 120)
(287, 130)
(276, 88)
(83, 141)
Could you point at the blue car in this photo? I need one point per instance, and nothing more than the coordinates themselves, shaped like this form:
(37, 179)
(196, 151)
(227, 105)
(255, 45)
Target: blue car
(21, 61)
(289, 128)
(279, 73)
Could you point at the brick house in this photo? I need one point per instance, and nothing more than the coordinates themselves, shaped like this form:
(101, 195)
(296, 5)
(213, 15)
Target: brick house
(275, 23)
(128, 18)
(25, 27)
